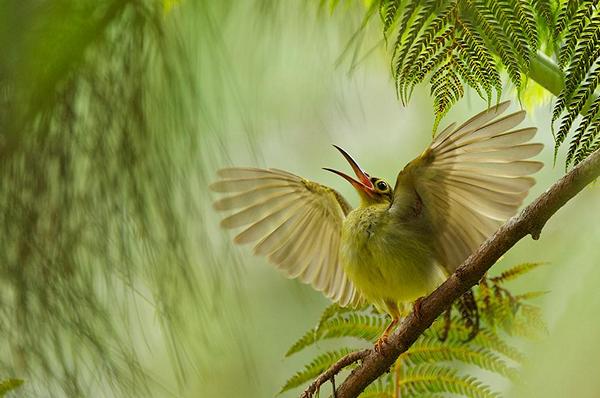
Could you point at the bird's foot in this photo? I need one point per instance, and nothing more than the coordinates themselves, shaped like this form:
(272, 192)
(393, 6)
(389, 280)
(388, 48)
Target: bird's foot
(417, 307)
(381, 341)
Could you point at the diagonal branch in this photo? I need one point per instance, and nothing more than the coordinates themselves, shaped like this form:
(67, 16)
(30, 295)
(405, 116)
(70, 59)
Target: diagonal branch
(530, 221)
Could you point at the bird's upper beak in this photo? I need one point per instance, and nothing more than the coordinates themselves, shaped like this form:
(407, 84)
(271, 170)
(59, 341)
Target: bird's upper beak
(363, 184)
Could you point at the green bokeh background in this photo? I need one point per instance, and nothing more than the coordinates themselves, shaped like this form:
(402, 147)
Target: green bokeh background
(259, 83)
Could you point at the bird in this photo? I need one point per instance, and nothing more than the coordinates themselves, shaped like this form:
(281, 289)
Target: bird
(401, 242)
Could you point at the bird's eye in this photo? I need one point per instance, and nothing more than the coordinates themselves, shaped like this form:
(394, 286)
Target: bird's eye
(381, 185)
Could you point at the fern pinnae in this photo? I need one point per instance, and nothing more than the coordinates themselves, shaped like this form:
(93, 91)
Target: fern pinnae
(388, 11)
(503, 11)
(573, 32)
(314, 368)
(401, 49)
(580, 134)
(425, 379)
(587, 141)
(472, 75)
(586, 52)
(515, 272)
(576, 103)
(526, 18)
(434, 63)
(567, 10)
(479, 52)
(446, 89)
(406, 16)
(492, 29)
(428, 42)
(544, 9)
(431, 350)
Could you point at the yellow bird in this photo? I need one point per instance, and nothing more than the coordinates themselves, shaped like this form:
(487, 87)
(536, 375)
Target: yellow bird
(401, 243)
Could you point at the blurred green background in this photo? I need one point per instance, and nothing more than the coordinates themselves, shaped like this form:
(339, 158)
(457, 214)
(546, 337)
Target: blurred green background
(115, 277)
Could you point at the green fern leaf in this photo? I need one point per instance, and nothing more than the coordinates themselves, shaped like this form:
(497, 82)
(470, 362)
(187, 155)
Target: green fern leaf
(544, 8)
(431, 350)
(587, 141)
(492, 29)
(515, 272)
(575, 106)
(586, 52)
(388, 11)
(567, 10)
(446, 89)
(512, 29)
(407, 38)
(315, 368)
(527, 21)
(309, 338)
(435, 54)
(477, 53)
(427, 379)
(575, 28)
(580, 134)
(427, 44)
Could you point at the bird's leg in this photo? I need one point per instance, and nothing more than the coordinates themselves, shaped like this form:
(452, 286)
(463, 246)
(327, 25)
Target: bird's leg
(417, 307)
(384, 336)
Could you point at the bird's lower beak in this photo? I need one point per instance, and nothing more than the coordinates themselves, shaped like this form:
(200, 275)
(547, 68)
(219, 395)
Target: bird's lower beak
(364, 183)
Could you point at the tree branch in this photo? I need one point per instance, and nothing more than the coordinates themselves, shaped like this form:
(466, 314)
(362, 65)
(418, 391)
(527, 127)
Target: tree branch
(333, 370)
(530, 221)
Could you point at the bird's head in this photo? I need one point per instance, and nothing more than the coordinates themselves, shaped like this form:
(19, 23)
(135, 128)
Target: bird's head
(372, 190)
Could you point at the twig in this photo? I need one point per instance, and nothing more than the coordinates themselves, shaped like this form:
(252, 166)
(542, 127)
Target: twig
(333, 370)
(530, 221)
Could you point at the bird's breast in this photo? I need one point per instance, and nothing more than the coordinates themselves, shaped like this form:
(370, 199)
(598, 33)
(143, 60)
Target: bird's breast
(387, 260)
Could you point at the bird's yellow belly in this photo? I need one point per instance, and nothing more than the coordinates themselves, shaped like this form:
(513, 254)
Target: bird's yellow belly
(388, 264)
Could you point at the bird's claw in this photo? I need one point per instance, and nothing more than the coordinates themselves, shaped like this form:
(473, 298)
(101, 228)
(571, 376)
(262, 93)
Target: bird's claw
(417, 307)
(381, 341)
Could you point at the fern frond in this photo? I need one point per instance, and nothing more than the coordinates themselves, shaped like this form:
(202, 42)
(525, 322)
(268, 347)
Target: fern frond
(360, 326)
(314, 368)
(477, 53)
(431, 350)
(567, 10)
(576, 105)
(586, 52)
(427, 44)
(526, 19)
(430, 59)
(309, 338)
(446, 89)
(575, 28)
(515, 272)
(544, 8)
(503, 11)
(587, 141)
(582, 134)
(406, 38)
(388, 11)
(492, 29)
(427, 379)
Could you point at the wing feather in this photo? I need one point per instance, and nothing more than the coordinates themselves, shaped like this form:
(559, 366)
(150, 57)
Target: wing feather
(294, 222)
(470, 180)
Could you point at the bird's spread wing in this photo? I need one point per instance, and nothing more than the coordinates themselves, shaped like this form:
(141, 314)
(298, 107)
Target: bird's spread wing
(294, 222)
(471, 179)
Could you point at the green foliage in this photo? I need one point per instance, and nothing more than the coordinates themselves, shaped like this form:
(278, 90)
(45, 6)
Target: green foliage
(458, 42)
(433, 366)
(96, 157)
(9, 385)
(453, 43)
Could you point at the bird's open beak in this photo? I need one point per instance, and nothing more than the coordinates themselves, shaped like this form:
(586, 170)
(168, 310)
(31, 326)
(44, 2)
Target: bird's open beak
(364, 183)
